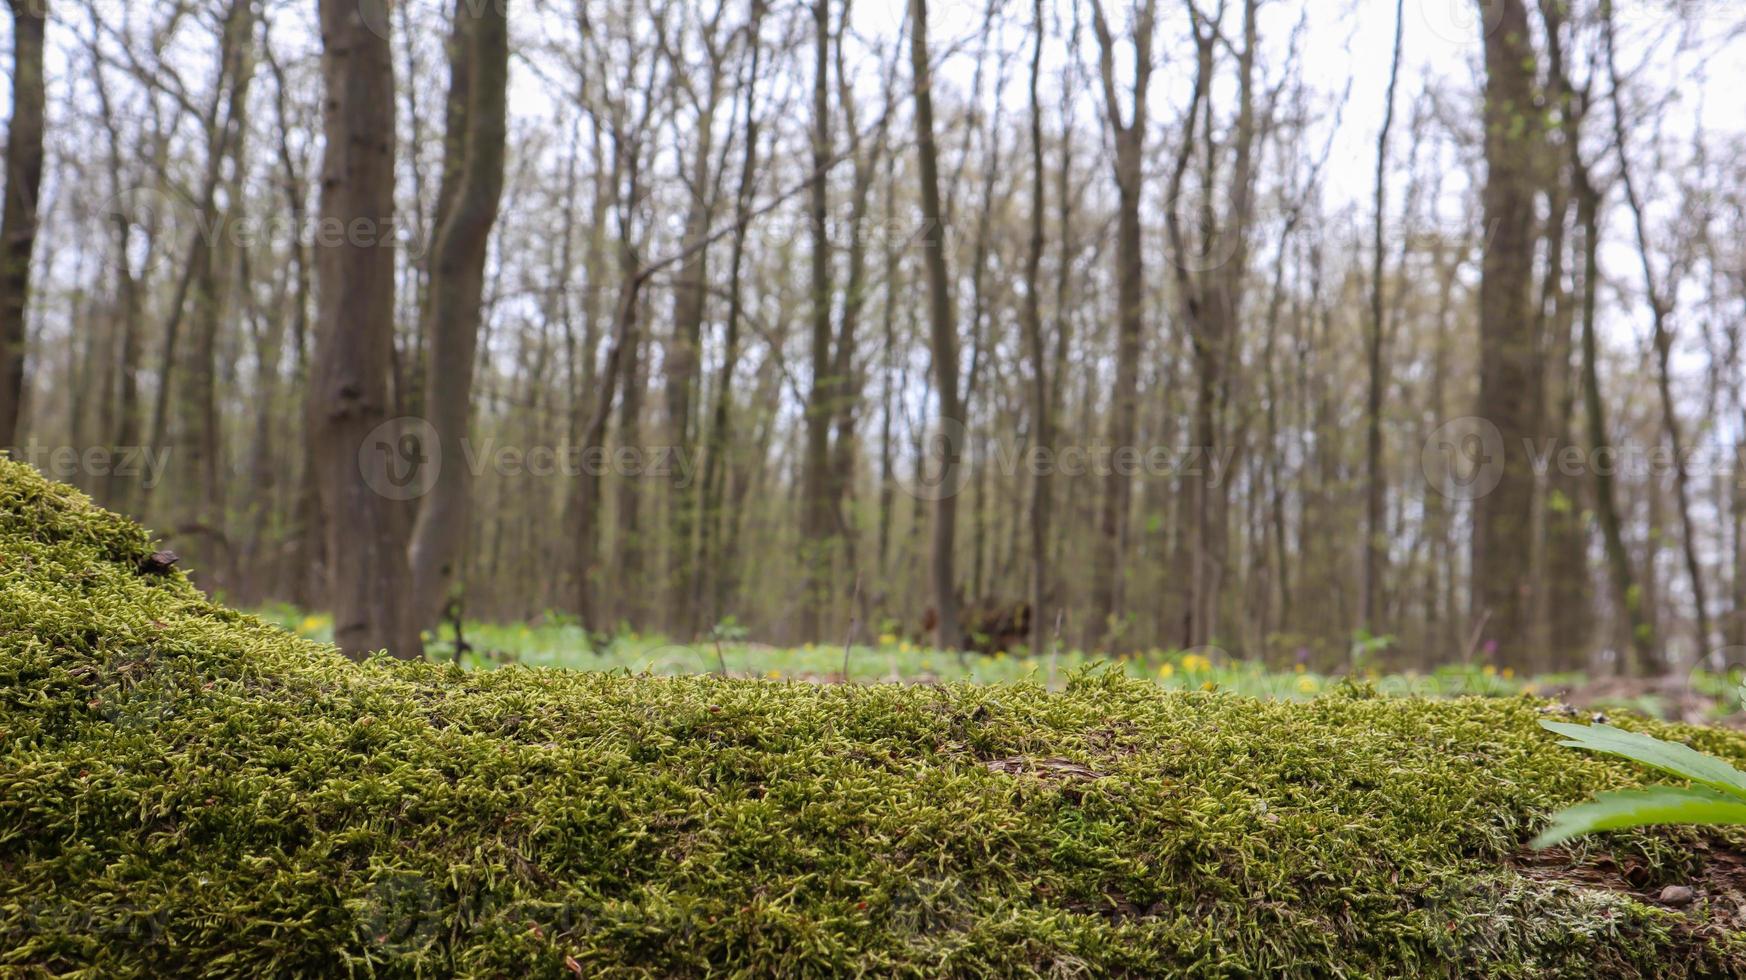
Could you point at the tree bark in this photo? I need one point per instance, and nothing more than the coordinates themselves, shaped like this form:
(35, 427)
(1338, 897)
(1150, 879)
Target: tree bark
(369, 581)
(18, 221)
(818, 513)
(453, 311)
(1375, 488)
(1509, 372)
(1042, 433)
(944, 334)
(1130, 145)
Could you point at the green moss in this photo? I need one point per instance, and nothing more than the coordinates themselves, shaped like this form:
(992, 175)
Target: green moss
(187, 790)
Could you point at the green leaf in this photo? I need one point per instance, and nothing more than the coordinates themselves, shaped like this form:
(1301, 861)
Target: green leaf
(1669, 757)
(1655, 806)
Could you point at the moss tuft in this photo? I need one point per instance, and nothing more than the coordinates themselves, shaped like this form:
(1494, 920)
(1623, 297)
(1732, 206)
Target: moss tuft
(186, 790)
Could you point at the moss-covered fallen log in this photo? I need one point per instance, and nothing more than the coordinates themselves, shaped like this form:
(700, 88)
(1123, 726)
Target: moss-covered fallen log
(186, 790)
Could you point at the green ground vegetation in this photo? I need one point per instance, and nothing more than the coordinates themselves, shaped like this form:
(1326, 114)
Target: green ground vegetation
(185, 789)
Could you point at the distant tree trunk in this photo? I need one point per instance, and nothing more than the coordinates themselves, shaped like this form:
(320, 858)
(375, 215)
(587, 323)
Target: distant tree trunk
(215, 286)
(1375, 488)
(369, 581)
(818, 513)
(1210, 274)
(626, 174)
(711, 551)
(1509, 377)
(1626, 595)
(304, 559)
(1130, 147)
(1661, 312)
(453, 311)
(1042, 433)
(120, 496)
(686, 343)
(847, 409)
(630, 548)
(944, 331)
(18, 223)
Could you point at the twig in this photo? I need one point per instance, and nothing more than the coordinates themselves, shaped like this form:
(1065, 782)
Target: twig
(854, 624)
(720, 657)
(1055, 647)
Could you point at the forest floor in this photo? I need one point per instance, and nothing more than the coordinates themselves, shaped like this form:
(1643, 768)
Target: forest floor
(1705, 698)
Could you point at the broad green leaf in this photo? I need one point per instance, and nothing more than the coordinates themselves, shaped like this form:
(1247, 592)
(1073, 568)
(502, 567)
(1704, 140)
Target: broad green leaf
(1669, 757)
(1655, 806)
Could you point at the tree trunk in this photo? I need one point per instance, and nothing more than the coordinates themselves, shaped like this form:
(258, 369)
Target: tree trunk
(1105, 625)
(369, 580)
(1661, 309)
(1509, 366)
(945, 335)
(453, 312)
(818, 514)
(711, 551)
(1375, 489)
(18, 222)
(1042, 433)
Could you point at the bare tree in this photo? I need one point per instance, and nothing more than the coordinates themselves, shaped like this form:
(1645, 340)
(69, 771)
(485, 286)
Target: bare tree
(1661, 315)
(1042, 432)
(1375, 488)
(1130, 145)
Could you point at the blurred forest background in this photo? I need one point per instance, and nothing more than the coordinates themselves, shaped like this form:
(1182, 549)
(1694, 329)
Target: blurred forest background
(1272, 325)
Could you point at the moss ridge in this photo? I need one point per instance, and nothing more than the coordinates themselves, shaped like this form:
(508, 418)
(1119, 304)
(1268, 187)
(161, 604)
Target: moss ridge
(186, 790)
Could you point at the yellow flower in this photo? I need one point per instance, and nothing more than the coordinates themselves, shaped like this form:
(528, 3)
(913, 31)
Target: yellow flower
(903, 647)
(775, 675)
(1307, 685)
(309, 625)
(1209, 686)
(1300, 668)
(1489, 671)
(927, 665)
(1165, 671)
(1509, 672)
(887, 640)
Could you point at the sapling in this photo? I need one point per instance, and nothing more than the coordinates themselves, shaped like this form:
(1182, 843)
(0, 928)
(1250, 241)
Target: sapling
(1716, 796)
